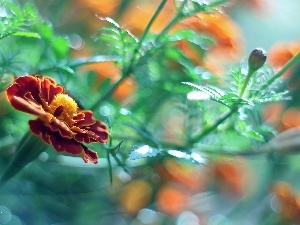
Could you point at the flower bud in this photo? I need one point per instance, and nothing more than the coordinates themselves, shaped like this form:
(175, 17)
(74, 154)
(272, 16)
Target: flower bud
(257, 59)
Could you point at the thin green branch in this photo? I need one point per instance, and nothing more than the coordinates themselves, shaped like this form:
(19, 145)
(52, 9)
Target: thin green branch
(211, 128)
(146, 31)
(287, 66)
(108, 93)
(250, 72)
(77, 63)
(109, 166)
(127, 70)
(173, 21)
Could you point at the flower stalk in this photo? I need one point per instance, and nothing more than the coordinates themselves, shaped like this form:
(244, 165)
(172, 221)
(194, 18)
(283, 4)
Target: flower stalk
(28, 150)
(211, 128)
(287, 66)
(256, 60)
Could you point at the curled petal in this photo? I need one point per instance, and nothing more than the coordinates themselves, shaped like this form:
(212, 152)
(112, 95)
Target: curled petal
(37, 127)
(61, 127)
(97, 132)
(61, 144)
(25, 106)
(89, 155)
(100, 132)
(84, 118)
(22, 86)
(49, 88)
(30, 107)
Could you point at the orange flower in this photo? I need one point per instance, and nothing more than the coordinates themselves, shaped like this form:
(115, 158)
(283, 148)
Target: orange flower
(281, 118)
(186, 175)
(108, 70)
(59, 121)
(135, 195)
(197, 58)
(219, 26)
(289, 202)
(103, 7)
(231, 176)
(172, 200)
(281, 53)
(139, 14)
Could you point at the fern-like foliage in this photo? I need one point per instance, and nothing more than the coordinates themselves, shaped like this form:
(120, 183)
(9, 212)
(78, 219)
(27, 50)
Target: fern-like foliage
(17, 20)
(121, 42)
(229, 99)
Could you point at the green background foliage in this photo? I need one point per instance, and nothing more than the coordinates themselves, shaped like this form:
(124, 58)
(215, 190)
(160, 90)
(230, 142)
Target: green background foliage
(227, 122)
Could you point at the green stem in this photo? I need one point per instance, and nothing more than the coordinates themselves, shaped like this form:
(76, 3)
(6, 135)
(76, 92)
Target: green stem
(28, 149)
(126, 72)
(211, 128)
(287, 66)
(146, 31)
(173, 21)
(108, 93)
(109, 166)
(250, 72)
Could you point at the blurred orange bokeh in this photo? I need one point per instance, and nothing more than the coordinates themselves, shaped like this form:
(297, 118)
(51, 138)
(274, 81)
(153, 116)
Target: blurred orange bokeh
(102, 8)
(289, 202)
(109, 70)
(189, 176)
(220, 27)
(172, 199)
(135, 195)
(232, 176)
(282, 119)
(280, 53)
(139, 13)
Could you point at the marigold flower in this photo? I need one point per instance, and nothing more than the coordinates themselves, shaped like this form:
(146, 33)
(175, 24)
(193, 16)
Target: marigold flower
(103, 7)
(232, 176)
(288, 200)
(220, 27)
(172, 200)
(108, 70)
(280, 53)
(59, 120)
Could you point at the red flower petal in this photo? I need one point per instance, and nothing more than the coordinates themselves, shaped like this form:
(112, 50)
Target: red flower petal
(84, 118)
(61, 144)
(49, 88)
(37, 127)
(89, 155)
(23, 85)
(21, 104)
(100, 132)
(61, 127)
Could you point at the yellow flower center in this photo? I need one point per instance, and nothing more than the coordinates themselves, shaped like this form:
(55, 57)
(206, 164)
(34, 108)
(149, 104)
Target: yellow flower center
(68, 104)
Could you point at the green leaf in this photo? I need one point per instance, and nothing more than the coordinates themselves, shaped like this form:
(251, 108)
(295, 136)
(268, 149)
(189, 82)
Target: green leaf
(143, 133)
(5, 81)
(214, 93)
(28, 149)
(94, 59)
(26, 34)
(111, 21)
(191, 36)
(60, 47)
(254, 135)
(143, 152)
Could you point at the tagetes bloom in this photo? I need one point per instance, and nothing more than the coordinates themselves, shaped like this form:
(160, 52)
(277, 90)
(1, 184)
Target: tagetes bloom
(59, 120)
(218, 26)
(281, 53)
(289, 202)
(103, 7)
(108, 70)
